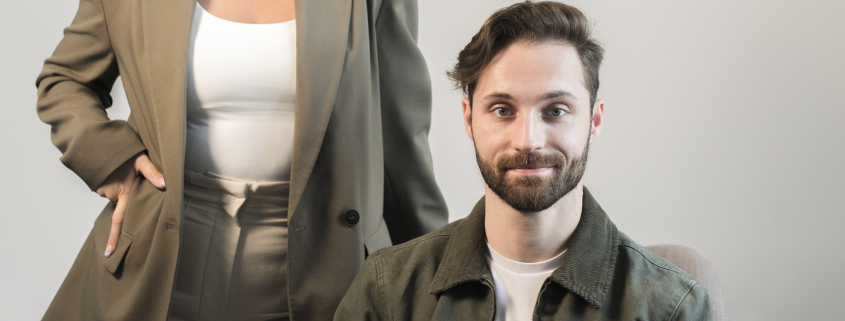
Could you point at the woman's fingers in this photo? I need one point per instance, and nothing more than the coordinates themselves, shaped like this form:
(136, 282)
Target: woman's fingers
(119, 187)
(116, 223)
(145, 166)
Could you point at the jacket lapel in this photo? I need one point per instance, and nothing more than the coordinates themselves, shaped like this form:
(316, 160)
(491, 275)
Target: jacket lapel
(322, 32)
(589, 262)
(167, 29)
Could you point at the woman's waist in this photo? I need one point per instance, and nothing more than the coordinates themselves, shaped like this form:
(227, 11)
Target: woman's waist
(251, 153)
(244, 200)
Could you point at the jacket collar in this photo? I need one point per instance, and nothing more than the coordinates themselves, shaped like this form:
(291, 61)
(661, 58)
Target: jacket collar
(588, 263)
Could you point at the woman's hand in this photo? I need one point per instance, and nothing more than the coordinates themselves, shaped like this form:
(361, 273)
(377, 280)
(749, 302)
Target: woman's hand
(118, 186)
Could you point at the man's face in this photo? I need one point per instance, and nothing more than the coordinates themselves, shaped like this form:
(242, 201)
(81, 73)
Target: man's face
(531, 124)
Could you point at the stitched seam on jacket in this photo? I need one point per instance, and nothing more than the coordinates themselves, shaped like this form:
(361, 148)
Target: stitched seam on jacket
(655, 264)
(379, 284)
(417, 242)
(678, 306)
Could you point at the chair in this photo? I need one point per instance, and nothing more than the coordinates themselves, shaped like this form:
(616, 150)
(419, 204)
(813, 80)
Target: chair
(700, 268)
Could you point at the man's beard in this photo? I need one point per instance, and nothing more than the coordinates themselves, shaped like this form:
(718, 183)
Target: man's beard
(533, 193)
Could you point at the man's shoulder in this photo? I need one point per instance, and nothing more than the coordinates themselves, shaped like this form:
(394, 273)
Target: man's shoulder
(419, 250)
(657, 265)
(652, 278)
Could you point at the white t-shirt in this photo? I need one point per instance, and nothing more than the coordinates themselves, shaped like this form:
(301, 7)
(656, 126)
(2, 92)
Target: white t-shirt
(240, 98)
(518, 284)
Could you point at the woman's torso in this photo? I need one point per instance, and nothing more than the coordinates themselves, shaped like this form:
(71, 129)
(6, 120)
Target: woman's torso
(241, 93)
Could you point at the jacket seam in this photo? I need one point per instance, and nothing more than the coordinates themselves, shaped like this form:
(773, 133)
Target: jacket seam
(678, 306)
(654, 263)
(379, 283)
(414, 243)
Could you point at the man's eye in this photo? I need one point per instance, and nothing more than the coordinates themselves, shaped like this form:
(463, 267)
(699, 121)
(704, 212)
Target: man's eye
(501, 111)
(556, 112)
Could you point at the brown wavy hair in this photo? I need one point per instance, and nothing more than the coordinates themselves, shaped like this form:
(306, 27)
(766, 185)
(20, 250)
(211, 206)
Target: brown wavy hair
(533, 22)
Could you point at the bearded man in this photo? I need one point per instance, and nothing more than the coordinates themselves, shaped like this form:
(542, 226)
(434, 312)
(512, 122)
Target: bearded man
(537, 246)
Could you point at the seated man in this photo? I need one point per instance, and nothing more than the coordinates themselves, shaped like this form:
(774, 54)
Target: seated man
(537, 246)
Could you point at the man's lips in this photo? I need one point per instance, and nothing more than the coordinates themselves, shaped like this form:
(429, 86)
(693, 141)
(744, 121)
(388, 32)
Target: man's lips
(530, 169)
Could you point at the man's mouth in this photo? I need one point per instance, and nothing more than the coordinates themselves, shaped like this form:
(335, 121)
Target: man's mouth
(530, 169)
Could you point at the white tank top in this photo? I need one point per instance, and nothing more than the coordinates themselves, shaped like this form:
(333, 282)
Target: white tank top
(240, 98)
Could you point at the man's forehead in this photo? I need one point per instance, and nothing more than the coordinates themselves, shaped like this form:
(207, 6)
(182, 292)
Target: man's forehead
(545, 68)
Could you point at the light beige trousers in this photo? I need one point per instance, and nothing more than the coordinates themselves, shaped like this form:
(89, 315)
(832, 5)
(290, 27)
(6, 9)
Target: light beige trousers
(232, 262)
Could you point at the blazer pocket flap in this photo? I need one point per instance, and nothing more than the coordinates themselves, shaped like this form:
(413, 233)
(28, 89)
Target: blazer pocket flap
(102, 228)
(113, 262)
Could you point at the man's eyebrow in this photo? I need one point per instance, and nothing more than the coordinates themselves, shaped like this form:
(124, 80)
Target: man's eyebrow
(559, 93)
(499, 95)
(546, 96)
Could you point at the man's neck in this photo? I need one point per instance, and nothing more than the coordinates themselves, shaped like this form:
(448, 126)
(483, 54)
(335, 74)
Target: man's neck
(531, 236)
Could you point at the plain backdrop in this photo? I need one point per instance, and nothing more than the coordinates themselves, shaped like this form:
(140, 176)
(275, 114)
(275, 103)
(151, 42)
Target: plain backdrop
(725, 131)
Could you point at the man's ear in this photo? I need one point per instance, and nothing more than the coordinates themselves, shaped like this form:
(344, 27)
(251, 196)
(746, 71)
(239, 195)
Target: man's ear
(467, 108)
(598, 119)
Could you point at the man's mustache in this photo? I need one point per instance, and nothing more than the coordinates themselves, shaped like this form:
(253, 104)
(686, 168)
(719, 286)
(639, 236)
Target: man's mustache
(531, 159)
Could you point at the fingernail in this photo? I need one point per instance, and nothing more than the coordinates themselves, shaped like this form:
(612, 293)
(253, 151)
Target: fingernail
(161, 181)
(109, 250)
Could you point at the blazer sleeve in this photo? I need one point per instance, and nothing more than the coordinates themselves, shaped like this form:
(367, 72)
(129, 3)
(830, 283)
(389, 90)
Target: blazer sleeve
(413, 204)
(74, 90)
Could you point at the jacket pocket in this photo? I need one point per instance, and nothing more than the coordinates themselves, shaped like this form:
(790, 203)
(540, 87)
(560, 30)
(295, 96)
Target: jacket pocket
(102, 228)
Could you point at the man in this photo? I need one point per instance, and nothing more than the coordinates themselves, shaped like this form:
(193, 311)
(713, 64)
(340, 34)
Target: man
(537, 246)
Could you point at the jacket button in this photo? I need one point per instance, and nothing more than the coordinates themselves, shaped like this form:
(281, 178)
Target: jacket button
(351, 218)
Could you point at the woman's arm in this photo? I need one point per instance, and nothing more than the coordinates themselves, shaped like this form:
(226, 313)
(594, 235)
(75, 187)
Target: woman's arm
(413, 204)
(73, 92)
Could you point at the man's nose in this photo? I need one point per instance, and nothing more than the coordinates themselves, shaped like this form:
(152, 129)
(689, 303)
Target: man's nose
(529, 134)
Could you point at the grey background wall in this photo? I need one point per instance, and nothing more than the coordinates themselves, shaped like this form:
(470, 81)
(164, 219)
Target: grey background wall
(725, 131)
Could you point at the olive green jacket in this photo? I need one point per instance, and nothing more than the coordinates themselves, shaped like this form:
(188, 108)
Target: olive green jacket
(444, 275)
(363, 110)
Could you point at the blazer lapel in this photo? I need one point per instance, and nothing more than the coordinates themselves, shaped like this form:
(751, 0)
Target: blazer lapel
(167, 30)
(322, 32)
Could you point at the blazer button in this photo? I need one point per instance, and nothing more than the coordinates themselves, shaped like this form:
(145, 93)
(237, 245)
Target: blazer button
(351, 218)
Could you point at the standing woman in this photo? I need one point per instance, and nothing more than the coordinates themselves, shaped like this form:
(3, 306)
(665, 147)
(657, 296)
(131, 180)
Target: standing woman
(271, 145)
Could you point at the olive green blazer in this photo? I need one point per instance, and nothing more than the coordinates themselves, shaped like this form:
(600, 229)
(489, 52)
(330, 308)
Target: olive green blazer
(363, 109)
